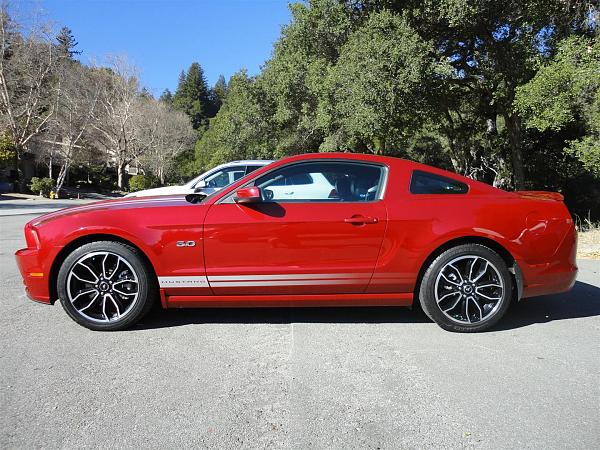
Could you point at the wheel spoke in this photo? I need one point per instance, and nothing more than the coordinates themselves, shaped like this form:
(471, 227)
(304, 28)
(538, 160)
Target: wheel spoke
(448, 295)
(116, 269)
(115, 304)
(457, 272)
(450, 281)
(118, 291)
(467, 310)
(90, 270)
(472, 265)
(89, 291)
(454, 305)
(480, 274)
(82, 279)
(487, 297)
(479, 308)
(90, 303)
(104, 307)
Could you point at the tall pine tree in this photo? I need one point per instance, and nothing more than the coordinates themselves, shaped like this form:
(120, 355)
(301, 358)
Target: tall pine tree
(67, 43)
(193, 96)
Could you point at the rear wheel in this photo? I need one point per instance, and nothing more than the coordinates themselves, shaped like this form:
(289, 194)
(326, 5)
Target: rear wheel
(106, 285)
(467, 289)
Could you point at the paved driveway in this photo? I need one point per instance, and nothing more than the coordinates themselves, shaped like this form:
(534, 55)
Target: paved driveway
(299, 378)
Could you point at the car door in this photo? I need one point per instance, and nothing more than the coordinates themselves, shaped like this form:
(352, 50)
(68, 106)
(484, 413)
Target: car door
(301, 243)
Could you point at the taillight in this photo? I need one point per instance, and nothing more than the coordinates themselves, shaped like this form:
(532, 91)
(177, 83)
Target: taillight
(31, 237)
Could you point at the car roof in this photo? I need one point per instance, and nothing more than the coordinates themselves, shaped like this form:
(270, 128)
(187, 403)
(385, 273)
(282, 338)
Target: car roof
(243, 162)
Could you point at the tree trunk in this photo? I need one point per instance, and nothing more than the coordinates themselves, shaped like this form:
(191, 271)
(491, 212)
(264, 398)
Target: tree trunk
(513, 125)
(121, 175)
(62, 175)
(50, 167)
(20, 185)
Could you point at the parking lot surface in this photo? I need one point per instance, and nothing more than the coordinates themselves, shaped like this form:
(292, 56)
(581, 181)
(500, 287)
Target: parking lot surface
(299, 378)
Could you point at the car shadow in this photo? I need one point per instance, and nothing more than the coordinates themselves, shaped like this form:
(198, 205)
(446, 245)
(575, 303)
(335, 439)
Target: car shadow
(582, 301)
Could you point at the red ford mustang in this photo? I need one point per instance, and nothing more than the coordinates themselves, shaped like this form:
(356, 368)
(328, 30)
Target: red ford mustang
(311, 230)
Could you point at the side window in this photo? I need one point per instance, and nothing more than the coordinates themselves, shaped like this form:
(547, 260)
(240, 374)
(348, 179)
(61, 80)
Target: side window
(429, 183)
(323, 182)
(250, 169)
(224, 177)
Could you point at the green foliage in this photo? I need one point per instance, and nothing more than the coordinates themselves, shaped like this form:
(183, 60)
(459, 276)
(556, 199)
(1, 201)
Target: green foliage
(140, 182)
(67, 43)
(43, 186)
(384, 71)
(241, 129)
(566, 93)
(192, 96)
(7, 150)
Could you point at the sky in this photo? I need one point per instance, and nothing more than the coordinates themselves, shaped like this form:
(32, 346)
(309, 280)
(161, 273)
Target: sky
(163, 37)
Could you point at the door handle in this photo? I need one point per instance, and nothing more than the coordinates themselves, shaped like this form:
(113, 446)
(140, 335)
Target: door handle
(358, 220)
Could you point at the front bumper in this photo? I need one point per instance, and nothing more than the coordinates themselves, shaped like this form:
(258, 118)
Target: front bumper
(35, 277)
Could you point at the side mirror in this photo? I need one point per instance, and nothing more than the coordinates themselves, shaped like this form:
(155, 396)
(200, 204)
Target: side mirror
(199, 186)
(249, 194)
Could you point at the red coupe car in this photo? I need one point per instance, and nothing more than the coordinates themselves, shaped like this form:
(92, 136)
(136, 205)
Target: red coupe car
(312, 230)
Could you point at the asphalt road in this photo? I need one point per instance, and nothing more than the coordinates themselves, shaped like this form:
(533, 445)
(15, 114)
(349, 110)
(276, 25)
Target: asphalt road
(299, 378)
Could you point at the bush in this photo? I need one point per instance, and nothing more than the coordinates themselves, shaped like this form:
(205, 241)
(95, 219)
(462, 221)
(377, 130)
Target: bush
(139, 182)
(43, 186)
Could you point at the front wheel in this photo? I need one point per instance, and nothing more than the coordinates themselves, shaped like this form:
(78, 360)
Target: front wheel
(106, 285)
(467, 289)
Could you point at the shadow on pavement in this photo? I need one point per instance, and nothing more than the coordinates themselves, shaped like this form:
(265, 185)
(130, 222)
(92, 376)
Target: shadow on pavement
(582, 301)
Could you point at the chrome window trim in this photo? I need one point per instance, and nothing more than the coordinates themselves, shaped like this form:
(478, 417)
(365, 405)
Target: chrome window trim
(229, 198)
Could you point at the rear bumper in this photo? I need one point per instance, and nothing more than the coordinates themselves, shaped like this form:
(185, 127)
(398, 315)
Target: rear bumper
(35, 277)
(556, 276)
(549, 279)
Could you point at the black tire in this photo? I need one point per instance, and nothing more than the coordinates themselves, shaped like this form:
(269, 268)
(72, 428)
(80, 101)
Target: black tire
(458, 318)
(131, 264)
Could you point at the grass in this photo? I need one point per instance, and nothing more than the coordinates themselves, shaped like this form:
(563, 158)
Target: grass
(588, 245)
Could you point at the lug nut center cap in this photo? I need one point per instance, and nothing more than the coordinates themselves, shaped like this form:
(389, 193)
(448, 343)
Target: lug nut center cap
(104, 286)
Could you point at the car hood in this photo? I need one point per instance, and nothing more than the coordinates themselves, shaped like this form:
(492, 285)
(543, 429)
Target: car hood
(165, 190)
(114, 205)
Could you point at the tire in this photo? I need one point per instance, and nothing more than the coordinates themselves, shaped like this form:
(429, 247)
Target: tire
(466, 289)
(106, 286)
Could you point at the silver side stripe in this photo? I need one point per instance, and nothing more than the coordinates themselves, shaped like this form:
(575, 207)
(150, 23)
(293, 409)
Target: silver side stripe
(286, 283)
(295, 276)
(308, 279)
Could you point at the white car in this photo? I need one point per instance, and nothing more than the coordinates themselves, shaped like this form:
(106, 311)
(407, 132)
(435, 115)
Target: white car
(208, 182)
(300, 186)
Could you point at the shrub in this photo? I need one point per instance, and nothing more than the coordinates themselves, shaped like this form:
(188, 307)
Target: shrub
(42, 185)
(139, 182)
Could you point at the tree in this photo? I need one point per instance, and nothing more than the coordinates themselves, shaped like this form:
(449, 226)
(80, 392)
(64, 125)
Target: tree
(218, 93)
(121, 129)
(566, 92)
(27, 94)
(173, 134)
(192, 96)
(241, 129)
(166, 97)
(383, 72)
(76, 104)
(67, 43)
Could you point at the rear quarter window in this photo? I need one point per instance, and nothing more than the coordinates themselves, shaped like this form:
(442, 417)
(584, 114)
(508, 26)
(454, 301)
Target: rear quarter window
(429, 183)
